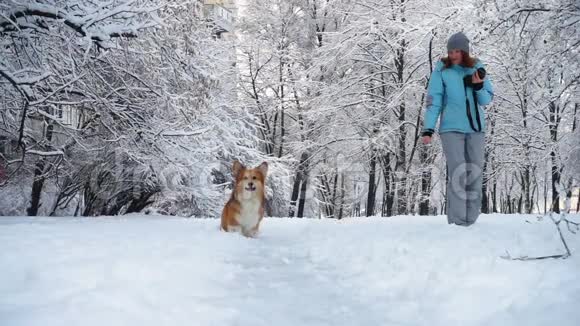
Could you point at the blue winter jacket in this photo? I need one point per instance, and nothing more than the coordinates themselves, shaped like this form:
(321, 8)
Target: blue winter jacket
(446, 96)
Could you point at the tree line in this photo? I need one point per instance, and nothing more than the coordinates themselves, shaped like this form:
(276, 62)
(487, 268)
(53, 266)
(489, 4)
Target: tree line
(135, 106)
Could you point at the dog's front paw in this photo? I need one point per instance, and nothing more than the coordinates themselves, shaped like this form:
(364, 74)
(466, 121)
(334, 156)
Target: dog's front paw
(251, 233)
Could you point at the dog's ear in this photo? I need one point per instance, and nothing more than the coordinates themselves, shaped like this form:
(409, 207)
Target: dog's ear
(237, 168)
(263, 168)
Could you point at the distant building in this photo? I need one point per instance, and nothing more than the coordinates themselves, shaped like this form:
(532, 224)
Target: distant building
(63, 117)
(222, 15)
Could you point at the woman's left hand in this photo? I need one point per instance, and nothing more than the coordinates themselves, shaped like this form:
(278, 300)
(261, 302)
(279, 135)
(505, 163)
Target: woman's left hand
(475, 78)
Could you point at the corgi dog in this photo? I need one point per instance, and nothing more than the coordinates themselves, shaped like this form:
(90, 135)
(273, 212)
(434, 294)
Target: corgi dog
(245, 208)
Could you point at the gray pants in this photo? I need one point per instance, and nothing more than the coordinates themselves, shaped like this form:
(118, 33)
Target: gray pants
(465, 155)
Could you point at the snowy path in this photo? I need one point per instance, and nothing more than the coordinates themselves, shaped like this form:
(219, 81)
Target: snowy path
(397, 271)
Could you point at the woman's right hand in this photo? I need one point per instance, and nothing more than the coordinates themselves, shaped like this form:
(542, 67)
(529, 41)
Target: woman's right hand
(426, 140)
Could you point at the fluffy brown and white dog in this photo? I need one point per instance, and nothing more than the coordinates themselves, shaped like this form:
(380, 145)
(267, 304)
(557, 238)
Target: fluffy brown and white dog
(245, 209)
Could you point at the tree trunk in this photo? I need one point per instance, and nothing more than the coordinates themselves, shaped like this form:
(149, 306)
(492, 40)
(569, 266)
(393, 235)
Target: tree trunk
(371, 195)
(389, 197)
(297, 183)
(425, 192)
(494, 197)
(302, 197)
(424, 153)
(37, 186)
(578, 202)
(334, 194)
(546, 193)
(553, 126)
(295, 192)
(39, 178)
(401, 157)
(527, 190)
(555, 183)
(282, 110)
(484, 188)
(342, 193)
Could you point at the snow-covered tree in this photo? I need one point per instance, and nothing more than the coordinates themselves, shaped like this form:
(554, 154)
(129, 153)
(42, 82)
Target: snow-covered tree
(109, 107)
(115, 106)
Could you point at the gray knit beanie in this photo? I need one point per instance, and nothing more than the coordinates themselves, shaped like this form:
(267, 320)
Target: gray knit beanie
(458, 41)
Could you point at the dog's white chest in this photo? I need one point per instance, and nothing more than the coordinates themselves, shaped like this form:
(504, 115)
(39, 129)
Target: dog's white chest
(249, 213)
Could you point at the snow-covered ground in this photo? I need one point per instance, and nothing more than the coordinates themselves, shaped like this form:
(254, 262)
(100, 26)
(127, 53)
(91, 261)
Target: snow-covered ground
(138, 270)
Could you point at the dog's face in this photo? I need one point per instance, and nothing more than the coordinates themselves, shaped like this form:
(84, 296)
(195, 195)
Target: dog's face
(250, 182)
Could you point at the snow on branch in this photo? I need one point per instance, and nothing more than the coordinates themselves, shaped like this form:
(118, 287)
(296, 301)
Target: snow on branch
(41, 153)
(27, 80)
(16, 82)
(101, 22)
(183, 133)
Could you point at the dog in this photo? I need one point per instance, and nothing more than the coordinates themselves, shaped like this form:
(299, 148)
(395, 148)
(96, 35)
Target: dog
(245, 208)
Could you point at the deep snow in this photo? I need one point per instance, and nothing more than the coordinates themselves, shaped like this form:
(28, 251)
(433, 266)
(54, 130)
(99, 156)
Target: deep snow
(138, 270)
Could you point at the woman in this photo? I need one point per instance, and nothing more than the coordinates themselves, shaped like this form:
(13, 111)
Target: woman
(456, 91)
